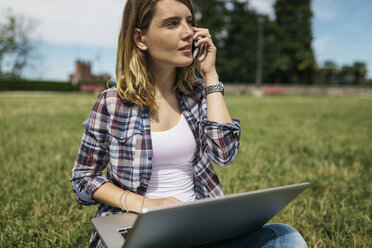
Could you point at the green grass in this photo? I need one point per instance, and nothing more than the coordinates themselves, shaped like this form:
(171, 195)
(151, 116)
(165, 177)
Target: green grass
(327, 141)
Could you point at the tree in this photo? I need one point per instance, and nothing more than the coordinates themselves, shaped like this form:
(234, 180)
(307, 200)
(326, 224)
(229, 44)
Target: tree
(360, 72)
(328, 73)
(354, 74)
(295, 62)
(241, 43)
(272, 62)
(330, 70)
(346, 75)
(234, 29)
(15, 44)
(211, 14)
(287, 52)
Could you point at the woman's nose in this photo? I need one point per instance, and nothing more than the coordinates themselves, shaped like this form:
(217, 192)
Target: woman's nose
(187, 30)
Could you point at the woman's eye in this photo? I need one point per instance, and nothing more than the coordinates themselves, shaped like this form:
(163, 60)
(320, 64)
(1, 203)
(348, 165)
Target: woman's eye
(172, 23)
(190, 22)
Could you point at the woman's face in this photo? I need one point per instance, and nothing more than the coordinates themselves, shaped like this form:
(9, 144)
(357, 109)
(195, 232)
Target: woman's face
(169, 36)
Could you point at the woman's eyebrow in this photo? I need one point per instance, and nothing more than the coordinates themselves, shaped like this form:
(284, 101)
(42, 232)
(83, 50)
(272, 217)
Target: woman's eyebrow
(174, 18)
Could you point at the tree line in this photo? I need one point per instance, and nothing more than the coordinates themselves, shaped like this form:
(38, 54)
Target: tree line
(287, 55)
(286, 39)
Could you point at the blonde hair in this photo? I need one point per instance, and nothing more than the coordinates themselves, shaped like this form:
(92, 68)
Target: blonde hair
(134, 81)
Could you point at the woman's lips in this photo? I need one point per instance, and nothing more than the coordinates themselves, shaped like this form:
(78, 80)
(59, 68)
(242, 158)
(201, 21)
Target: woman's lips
(186, 48)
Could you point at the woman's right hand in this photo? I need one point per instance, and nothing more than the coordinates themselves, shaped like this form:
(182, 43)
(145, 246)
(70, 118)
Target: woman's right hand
(152, 203)
(111, 194)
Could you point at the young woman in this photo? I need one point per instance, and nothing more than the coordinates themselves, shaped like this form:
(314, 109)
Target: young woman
(159, 128)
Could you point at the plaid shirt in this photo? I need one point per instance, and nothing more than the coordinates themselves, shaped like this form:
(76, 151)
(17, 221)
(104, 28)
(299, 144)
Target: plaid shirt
(118, 133)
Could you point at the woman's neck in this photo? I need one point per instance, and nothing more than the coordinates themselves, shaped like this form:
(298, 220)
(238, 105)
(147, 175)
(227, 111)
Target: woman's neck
(164, 79)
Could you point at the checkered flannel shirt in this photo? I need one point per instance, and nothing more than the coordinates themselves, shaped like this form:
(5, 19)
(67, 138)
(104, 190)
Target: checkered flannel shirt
(117, 134)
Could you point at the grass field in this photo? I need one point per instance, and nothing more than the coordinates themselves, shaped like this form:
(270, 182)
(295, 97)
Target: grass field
(327, 141)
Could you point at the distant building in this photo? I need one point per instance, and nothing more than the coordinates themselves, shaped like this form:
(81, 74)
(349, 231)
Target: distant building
(86, 80)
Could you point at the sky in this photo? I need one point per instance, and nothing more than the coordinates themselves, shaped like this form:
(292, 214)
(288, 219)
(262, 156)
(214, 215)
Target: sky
(88, 30)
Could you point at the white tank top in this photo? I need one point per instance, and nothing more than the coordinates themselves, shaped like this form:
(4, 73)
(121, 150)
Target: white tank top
(172, 163)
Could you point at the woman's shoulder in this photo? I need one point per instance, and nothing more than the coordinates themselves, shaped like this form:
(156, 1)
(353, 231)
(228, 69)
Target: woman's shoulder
(113, 113)
(110, 94)
(110, 100)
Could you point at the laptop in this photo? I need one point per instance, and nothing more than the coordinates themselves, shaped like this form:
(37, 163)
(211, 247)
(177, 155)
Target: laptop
(198, 222)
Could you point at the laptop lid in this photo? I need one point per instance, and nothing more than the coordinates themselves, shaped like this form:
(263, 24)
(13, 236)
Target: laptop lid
(203, 221)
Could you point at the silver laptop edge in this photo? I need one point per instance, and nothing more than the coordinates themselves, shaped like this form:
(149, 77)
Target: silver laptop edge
(197, 222)
(303, 185)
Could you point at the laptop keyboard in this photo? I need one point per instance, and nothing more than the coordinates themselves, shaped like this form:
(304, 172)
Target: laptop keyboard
(124, 232)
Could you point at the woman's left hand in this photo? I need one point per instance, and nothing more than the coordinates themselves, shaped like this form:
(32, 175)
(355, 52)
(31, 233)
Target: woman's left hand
(205, 62)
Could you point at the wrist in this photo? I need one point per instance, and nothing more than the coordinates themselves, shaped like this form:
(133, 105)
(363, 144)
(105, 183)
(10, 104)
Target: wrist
(142, 204)
(218, 87)
(210, 78)
(123, 200)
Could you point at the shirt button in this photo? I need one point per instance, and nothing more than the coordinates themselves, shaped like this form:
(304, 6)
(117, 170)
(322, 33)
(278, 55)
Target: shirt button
(149, 158)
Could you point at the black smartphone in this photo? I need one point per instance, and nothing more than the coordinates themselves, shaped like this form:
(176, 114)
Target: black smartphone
(195, 50)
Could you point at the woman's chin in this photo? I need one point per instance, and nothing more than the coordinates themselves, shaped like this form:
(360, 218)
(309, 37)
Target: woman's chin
(186, 63)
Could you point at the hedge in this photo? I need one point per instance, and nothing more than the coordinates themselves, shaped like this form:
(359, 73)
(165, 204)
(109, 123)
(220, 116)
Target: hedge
(11, 85)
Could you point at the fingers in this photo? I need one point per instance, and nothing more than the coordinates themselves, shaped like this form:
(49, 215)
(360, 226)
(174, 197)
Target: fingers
(202, 53)
(150, 203)
(200, 32)
(174, 200)
(201, 35)
(203, 41)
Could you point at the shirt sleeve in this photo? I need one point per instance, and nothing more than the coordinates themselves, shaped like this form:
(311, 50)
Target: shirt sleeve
(220, 141)
(93, 154)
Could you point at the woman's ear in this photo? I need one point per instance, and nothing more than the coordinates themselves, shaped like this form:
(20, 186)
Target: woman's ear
(139, 39)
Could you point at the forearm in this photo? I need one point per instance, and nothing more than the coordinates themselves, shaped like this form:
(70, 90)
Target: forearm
(110, 194)
(216, 107)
